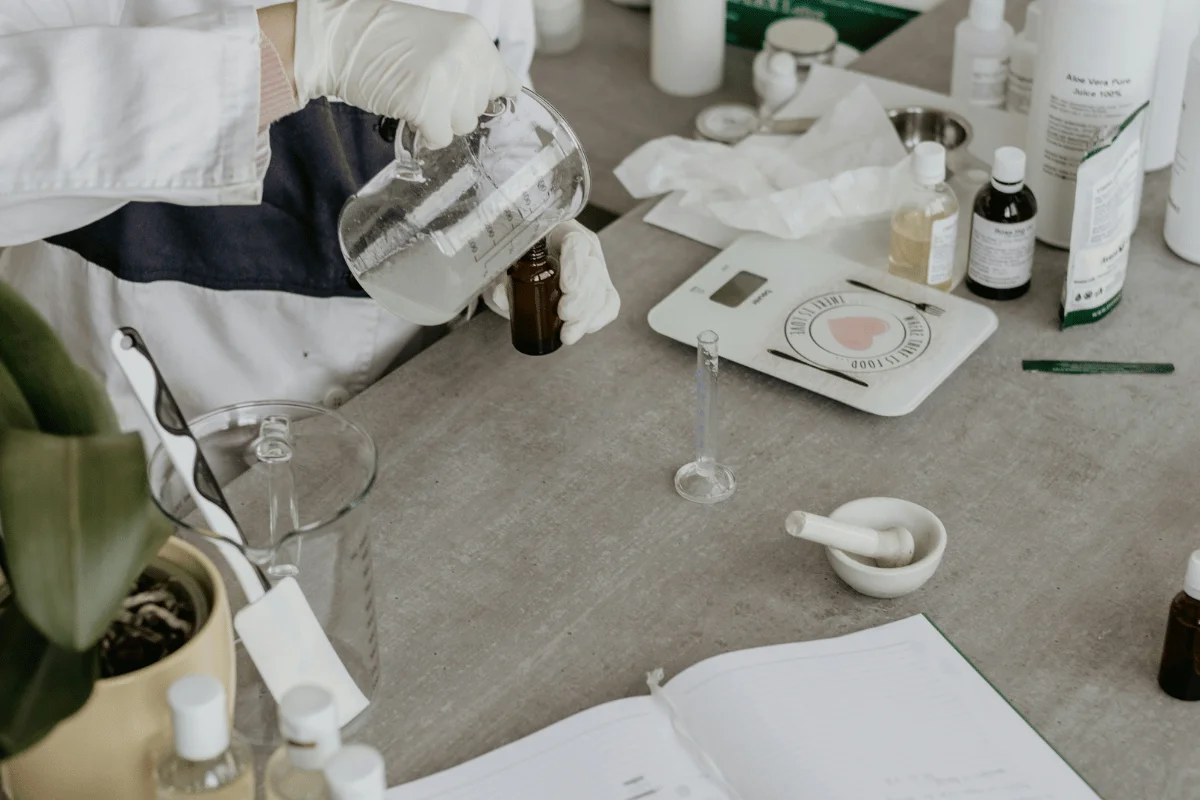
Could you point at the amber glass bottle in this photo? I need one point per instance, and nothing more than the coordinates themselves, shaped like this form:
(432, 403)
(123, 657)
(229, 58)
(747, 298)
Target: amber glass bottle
(1179, 673)
(1003, 231)
(533, 295)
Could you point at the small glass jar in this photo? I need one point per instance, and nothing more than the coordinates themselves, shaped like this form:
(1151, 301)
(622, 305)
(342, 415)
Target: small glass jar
(809, 41)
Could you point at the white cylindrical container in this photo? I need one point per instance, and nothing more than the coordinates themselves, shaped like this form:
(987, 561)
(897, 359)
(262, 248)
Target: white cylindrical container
(1095, 67)
(687, 46)
(1182, 230)
(1023, 63)
(559, 25)
(982, 45)
(1181, 24)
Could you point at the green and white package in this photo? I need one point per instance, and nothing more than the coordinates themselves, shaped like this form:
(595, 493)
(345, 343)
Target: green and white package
(1107, 202)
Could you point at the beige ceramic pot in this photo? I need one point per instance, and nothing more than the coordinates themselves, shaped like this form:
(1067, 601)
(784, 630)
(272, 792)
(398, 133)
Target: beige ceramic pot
(108, 749)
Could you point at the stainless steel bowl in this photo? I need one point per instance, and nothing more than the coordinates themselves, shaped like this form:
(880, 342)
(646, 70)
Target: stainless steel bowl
(916, 124)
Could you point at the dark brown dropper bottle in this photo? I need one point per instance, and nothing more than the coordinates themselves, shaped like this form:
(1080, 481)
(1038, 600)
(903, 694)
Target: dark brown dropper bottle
(533, 295)
(1179, 673)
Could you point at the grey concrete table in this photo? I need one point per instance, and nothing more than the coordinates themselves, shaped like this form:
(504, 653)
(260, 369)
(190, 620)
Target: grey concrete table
(533, 559)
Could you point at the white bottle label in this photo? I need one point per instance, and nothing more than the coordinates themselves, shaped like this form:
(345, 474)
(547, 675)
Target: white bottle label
(1020, 90)
(989, 76)
(942, 240)
(1001, 253)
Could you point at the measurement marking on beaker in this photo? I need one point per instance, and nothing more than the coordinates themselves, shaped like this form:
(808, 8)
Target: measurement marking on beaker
(526, 221)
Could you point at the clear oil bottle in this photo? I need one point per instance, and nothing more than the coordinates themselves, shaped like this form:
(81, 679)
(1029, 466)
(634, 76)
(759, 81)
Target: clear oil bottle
(308, 721)
(925, 223)
(533, 297)
(209, 760)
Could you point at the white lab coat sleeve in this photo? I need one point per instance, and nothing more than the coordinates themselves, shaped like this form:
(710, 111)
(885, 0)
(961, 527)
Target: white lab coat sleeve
(96, 115)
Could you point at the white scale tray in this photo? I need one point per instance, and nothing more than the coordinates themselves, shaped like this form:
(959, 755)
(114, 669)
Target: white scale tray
(778, 303)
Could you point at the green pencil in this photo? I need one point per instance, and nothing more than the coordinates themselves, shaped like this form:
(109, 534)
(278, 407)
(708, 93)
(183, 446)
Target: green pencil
(1098, 367)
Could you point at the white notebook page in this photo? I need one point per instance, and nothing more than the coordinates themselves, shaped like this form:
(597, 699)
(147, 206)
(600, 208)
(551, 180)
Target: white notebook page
(891, 713)
(624, 750)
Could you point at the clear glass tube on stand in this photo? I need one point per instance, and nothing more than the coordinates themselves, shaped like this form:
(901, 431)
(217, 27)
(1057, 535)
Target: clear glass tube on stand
(706, 480)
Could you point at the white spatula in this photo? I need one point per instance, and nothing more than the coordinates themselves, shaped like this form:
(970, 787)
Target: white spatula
(277, 626)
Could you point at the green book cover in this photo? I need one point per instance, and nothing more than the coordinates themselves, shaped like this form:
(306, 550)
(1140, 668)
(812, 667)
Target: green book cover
(859, 23)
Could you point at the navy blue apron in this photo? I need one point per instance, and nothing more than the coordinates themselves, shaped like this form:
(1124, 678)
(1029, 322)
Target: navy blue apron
(320, 155)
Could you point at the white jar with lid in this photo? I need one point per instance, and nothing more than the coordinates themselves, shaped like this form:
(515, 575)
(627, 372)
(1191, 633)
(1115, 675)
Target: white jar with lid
(559, 25)
(808, 41)
(1182, 230)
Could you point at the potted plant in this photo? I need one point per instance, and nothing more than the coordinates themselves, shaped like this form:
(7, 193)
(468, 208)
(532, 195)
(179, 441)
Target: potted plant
(100, 609)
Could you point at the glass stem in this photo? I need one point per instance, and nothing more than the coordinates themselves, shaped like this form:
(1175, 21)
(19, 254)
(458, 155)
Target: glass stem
(707, 428)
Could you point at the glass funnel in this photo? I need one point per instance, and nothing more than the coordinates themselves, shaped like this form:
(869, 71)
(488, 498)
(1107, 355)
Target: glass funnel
(297, 478)
(436, 227)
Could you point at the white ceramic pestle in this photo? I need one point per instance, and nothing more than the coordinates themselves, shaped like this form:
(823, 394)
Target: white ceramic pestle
(893, 547)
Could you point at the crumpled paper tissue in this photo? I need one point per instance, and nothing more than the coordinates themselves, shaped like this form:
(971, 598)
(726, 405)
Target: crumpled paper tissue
(851, 166)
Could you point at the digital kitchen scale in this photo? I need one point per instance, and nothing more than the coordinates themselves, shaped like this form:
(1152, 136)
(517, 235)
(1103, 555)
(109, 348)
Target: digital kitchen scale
(827, 324)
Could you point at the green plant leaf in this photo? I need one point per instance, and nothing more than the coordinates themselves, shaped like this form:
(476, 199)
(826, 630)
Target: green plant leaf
(78, 524)
(14, 408)
(41, 684)
(64, 398)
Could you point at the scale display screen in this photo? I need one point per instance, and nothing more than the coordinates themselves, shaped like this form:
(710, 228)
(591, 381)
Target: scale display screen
(738, 288)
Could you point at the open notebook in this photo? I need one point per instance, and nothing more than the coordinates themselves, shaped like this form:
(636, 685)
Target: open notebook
(890, 713)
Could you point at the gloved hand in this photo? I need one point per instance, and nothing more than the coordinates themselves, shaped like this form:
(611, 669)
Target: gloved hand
(589, 300)
(435, 70)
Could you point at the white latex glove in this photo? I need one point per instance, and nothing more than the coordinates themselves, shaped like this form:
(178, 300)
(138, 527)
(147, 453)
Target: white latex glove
(589, 300)
(435, 70)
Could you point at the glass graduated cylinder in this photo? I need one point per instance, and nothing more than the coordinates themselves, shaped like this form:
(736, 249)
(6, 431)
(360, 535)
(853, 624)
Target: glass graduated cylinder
(706, 480)
(424, 246)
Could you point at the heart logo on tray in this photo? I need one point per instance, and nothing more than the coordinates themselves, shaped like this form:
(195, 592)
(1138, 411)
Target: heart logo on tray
(857, 333)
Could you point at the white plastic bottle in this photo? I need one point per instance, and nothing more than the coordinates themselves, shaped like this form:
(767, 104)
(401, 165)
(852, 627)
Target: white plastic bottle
(1182, 229)
(687, 46)
(925, 223)
(356, 773)
(208, 760)
(308, 722)
(1095, 68)
(982, 46)
(775, 80)
(1023, 62)
(1181, 24)
(558, 24)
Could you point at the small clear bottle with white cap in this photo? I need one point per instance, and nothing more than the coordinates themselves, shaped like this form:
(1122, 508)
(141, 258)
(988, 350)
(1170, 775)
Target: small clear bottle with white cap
(1179, 671)
(925, 223)
(1023, 62)
(308, 721)
(982, 49)
(209, 759)
(356, 773)
(1003, 231)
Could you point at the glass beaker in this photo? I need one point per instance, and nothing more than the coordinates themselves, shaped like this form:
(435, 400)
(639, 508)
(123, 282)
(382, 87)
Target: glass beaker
(435, 227)
(296, 477)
